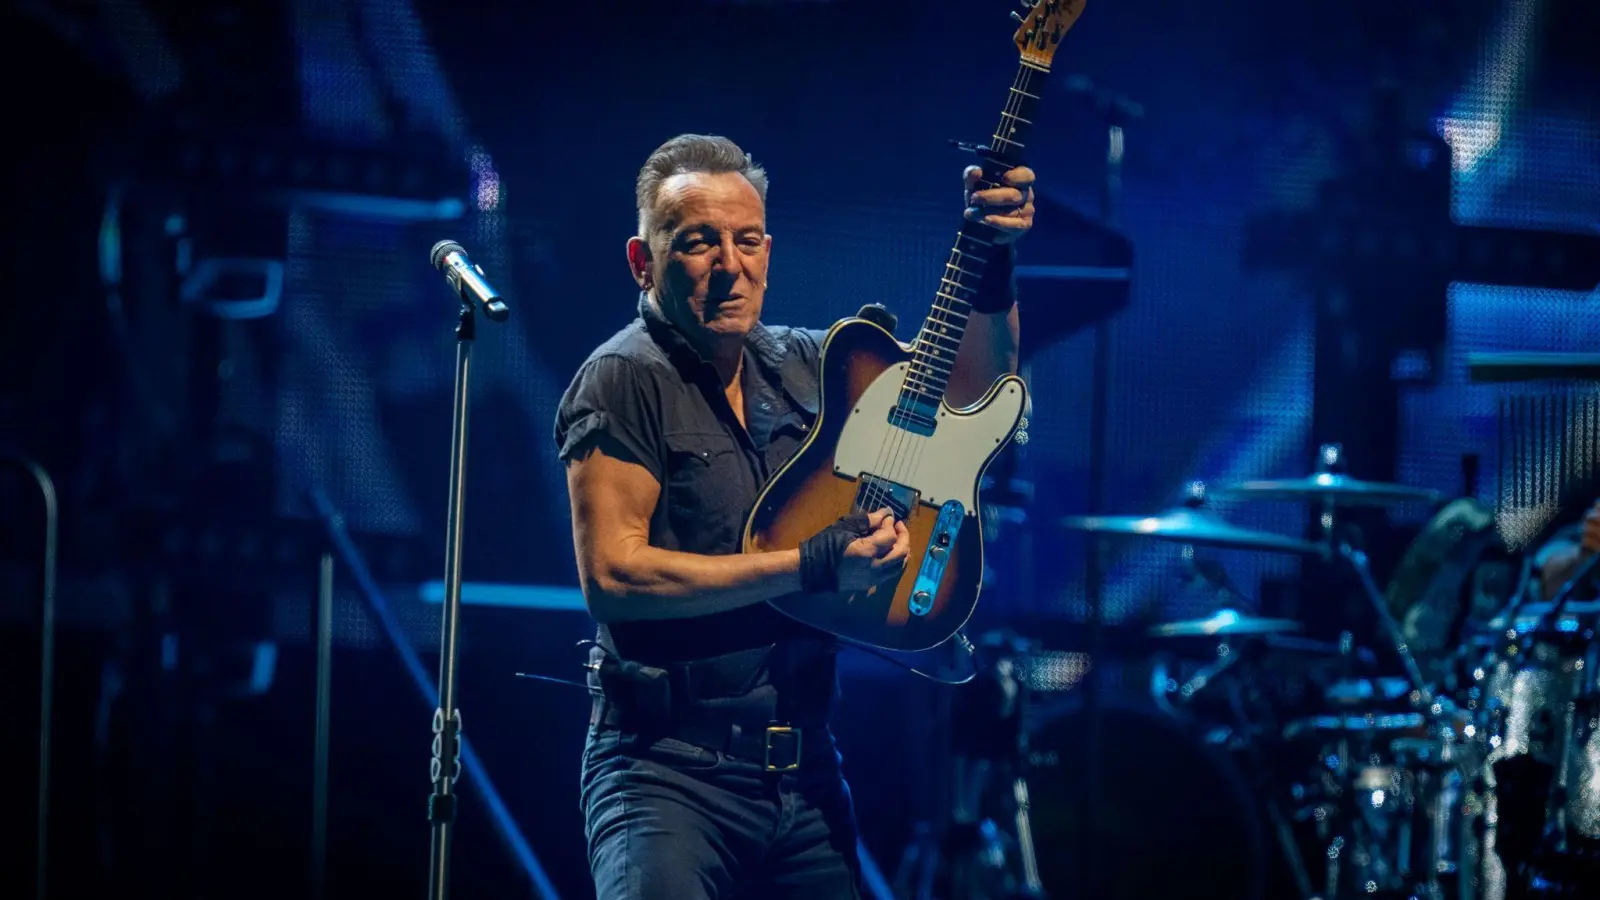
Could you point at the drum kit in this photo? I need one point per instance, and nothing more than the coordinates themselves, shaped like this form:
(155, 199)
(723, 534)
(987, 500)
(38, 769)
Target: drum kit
(1468, 768)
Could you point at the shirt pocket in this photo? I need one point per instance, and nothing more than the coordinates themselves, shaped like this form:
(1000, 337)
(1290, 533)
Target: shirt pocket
(788, 434)
(706, 486)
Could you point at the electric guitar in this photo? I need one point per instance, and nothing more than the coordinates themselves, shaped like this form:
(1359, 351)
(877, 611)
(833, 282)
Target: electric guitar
(886, 437)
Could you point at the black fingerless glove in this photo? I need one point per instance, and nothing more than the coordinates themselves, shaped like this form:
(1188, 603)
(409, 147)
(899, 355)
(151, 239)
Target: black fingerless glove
(821, 553)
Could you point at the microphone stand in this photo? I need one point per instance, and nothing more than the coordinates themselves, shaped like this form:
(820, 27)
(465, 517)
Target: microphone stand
(445, 766)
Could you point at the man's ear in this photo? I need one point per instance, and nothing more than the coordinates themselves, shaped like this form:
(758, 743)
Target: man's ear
(639, 260)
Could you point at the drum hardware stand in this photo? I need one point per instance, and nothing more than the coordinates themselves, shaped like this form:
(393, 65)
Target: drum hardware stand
(1116, 110)
(1342, 543)
(322, 632)
(1433, 708)
(1292, 856)
(1337, 540)
(1247, 742)
(990, 735)
(1358, 562)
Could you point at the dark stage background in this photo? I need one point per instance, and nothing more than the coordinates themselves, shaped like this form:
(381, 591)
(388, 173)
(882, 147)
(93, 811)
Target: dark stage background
(184, 708)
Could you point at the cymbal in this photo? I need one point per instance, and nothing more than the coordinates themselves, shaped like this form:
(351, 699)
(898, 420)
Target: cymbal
(1191, 526)
(1224, 623)
(1338, 489)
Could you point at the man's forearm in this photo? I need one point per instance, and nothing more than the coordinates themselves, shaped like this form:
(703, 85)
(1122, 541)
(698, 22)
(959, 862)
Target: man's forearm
(989, 347)
(652, 583)
(1557, 568)
(988, 351)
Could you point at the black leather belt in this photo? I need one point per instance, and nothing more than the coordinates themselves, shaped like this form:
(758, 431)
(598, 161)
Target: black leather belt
(777, 746)
(731, 674)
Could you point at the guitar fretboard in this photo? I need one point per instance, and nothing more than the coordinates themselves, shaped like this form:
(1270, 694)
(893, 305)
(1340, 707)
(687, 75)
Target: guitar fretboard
(934, 351)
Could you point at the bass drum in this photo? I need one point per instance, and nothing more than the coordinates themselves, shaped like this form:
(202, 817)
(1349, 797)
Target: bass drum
(1173, 817)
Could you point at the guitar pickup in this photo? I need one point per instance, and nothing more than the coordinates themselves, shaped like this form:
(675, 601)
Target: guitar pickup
(876, 493)
(945, 529)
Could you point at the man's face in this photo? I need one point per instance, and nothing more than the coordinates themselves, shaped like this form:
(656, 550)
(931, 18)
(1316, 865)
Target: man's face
(708, 256)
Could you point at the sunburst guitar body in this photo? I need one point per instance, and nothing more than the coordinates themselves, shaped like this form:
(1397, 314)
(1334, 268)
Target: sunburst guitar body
(886, 437)
(865, 453)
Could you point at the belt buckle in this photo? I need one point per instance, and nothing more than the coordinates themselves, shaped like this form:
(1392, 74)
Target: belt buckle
(794, 757)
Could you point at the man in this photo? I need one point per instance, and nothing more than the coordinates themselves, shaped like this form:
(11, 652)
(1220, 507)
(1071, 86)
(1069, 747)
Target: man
(709, 768)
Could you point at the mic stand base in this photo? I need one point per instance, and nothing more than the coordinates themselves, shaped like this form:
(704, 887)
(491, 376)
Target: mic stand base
(445, 766)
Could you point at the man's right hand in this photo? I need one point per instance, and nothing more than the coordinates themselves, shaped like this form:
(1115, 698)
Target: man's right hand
(877, 557)
(854, 553)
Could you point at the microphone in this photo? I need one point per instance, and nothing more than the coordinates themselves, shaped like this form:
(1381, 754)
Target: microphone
(467, 279)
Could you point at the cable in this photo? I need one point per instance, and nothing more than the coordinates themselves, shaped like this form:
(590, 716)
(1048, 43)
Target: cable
(47, 658)
(552, 679)
(961, 641)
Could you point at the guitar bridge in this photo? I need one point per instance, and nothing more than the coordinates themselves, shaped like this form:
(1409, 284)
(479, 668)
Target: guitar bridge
(940, 543)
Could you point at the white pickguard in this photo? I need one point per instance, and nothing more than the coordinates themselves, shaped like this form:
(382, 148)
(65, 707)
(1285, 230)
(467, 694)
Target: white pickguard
(942, 467)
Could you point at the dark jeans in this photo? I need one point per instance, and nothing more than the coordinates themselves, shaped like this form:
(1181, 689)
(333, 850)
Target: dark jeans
(666, 819)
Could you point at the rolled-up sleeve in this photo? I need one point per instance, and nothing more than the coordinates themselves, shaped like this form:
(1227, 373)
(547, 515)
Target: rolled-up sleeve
(611, 399)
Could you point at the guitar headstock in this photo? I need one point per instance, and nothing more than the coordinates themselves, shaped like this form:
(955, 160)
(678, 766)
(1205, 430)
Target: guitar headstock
(1042, 27)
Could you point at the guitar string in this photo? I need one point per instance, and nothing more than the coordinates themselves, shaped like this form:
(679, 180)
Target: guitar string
(929, 374)
(903, 449)
(897, 445)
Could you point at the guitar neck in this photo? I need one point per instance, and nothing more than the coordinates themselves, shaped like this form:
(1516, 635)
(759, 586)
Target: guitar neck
(934, 352)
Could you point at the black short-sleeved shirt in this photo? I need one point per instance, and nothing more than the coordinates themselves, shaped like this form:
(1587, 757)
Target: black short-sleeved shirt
(651, 393)
(648, 390)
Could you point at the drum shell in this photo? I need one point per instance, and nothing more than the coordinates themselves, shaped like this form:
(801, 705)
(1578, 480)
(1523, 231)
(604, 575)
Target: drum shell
(1390, 803)
(1173, 816)
(1541, 755)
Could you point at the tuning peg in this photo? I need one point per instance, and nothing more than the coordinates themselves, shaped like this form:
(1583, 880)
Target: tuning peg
(1016, 16)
